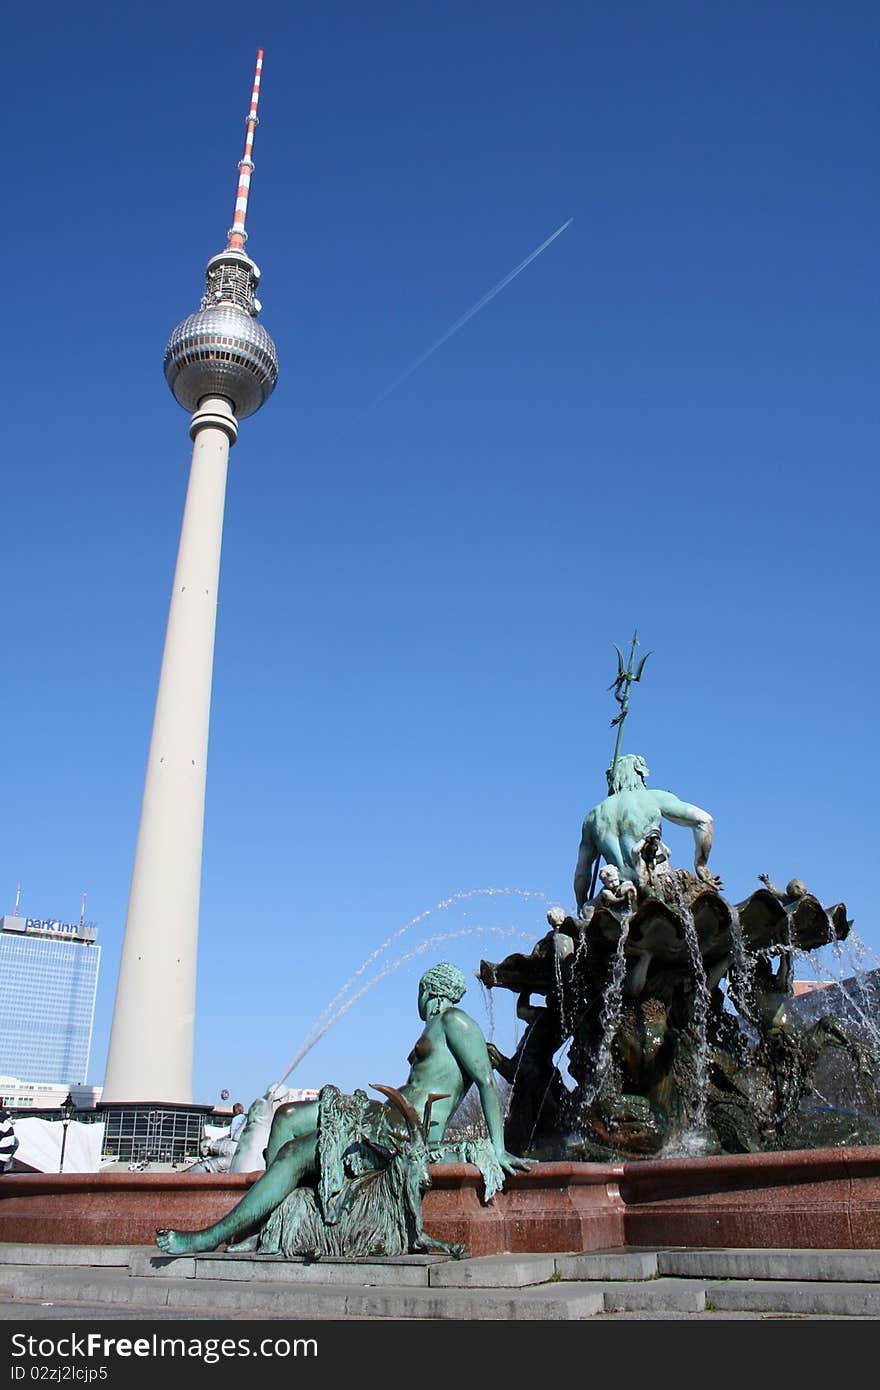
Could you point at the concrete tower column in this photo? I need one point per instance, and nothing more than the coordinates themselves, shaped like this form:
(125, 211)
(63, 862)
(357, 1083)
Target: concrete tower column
(151, 1043)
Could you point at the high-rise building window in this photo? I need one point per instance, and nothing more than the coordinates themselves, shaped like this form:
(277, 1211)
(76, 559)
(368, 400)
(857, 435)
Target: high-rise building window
(48, 983)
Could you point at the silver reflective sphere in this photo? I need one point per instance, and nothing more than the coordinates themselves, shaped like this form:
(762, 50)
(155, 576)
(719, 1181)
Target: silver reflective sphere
(221, 351)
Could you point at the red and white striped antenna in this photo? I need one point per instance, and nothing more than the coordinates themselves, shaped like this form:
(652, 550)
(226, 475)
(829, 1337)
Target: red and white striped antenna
(237, 233)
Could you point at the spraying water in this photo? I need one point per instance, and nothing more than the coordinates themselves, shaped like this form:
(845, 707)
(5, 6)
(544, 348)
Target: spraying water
(742, 970)
(612, 1000)
(858, 997)
(315, 1034)
(489, 1006)
(701, 1010)
(318, 1028)
(864, 957)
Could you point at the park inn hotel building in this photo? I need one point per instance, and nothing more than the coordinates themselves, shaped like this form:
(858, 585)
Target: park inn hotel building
(48, 984)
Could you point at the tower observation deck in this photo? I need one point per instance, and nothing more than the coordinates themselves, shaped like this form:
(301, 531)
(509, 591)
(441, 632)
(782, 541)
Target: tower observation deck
(222, 366)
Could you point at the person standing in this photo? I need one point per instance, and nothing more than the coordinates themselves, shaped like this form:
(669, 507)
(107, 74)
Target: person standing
(8, 1141)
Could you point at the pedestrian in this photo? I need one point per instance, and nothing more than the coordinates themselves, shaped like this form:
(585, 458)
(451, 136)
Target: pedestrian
(237, 1122)
(8, 1141)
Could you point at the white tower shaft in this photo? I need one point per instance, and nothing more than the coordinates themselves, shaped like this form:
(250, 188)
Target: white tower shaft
(151, 1042)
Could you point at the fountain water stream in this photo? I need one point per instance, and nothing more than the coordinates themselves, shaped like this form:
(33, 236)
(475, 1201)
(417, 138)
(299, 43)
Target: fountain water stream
(329, 1018)
(701, 1004)
(612, 999)
(330, 1013)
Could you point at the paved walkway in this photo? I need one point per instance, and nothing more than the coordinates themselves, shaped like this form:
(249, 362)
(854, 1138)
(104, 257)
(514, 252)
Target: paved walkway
(125, 1282)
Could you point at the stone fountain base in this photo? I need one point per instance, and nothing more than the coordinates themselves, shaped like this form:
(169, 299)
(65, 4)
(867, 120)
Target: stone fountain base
(810, 1199)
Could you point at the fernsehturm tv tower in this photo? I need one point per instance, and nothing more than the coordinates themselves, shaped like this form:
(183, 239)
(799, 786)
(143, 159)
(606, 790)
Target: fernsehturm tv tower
(222, 365)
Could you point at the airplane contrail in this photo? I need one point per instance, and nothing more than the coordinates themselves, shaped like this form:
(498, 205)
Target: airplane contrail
(459, 323)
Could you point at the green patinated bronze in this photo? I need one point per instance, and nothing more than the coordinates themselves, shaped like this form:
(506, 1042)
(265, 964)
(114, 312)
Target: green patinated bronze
(617, 829)
(344, 1176)
(632, 995)
(626, 676)
(629, 820)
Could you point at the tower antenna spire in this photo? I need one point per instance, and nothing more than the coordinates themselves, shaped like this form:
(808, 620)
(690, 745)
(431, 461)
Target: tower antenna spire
(237, 234)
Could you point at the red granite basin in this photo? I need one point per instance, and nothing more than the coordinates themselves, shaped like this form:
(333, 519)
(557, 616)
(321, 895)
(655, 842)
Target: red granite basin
(816, 1199)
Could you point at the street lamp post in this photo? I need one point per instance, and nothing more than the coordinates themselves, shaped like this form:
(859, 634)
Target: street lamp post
(67, 1112)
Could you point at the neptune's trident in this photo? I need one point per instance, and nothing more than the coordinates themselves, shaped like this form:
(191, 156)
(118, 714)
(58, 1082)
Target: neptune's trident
(621, 687)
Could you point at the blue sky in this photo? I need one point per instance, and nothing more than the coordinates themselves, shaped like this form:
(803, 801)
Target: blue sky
(668, 421)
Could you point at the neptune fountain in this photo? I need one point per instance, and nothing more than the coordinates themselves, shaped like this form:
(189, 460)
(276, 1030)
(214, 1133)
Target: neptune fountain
(666, 1089)
(674, 1005)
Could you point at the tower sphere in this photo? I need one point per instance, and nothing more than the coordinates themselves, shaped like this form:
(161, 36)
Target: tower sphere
(222, 350)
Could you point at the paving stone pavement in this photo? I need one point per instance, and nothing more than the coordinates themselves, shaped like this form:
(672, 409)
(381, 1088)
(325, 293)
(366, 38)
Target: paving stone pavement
(131, 1283)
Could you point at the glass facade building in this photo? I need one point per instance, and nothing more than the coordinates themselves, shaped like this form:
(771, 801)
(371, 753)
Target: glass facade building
(48, 983)
(146, 1134)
